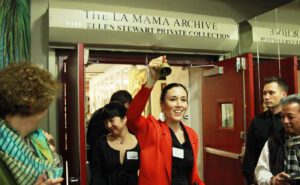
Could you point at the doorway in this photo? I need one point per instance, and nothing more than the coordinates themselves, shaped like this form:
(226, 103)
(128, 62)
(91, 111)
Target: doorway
(119, 65)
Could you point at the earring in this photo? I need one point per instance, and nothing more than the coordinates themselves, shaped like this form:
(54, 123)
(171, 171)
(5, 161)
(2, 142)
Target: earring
(162, 116)
(186, 117)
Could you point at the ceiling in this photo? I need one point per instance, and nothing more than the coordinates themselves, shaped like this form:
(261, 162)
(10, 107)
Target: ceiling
(239, 10)
(287, 14)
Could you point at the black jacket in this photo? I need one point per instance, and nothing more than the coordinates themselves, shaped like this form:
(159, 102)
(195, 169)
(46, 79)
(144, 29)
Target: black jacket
(262, 127)
(276, 146)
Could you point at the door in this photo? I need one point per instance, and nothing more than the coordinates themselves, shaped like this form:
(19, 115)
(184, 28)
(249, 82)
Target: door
(228, 108)
(72, 124)
(283, 68)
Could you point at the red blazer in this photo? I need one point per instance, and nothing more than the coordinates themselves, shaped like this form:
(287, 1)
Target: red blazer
(156, 144)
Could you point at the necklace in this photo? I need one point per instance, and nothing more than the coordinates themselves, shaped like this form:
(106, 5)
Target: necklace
(121, 141)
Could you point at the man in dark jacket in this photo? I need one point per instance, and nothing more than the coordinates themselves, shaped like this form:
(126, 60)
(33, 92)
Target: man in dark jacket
(264, 125)
(279, 161)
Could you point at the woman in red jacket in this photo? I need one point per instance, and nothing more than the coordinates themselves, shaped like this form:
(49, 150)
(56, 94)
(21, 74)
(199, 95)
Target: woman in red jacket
(168, 147)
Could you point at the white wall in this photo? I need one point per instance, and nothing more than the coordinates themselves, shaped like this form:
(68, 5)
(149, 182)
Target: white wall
(52, 119)
(39, 32)
(39, 55)
(196, 111)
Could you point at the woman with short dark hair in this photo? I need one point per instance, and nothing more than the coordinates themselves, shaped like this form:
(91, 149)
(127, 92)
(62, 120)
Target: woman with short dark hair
(116, 157)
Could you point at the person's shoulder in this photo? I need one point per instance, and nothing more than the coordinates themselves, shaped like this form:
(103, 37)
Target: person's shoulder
(153, 120)
(101, 140)
(260, 117)
(277, 137)
(97, 113)
(96, 116)
(263, 114)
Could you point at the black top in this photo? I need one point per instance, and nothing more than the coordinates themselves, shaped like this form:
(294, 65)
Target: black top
(182, 160)
(262, 127)
(277, 152)
(109, 171)
(96, 128)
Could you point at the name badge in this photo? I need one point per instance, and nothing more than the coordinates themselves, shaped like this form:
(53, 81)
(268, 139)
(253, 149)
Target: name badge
(132, 155)
(178, 152)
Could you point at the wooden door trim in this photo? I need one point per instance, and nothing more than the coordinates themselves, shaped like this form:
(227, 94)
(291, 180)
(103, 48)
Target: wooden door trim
(82, 143)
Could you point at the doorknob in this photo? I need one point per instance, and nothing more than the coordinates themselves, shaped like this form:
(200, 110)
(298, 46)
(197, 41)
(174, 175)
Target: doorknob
(74, 180)
(242, 135)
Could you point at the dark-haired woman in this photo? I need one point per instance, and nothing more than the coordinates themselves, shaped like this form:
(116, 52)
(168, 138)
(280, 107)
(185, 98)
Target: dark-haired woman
(96, 127)
(116, 157)
(168, 147)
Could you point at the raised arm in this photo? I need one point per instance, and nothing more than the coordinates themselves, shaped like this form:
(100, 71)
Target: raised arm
(135, 120)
